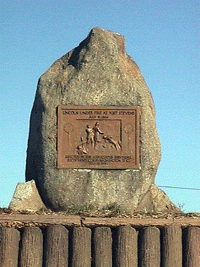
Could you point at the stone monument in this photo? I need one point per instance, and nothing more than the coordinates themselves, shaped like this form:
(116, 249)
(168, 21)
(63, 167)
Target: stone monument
(93, 138)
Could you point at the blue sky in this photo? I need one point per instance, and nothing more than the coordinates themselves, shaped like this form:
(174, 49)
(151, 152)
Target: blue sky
(161, 36)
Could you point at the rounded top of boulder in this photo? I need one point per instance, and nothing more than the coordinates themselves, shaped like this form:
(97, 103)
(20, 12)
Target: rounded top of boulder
(98, 68)
(107, 38)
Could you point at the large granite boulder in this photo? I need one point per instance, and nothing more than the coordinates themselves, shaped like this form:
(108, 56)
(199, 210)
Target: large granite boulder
(97, 72)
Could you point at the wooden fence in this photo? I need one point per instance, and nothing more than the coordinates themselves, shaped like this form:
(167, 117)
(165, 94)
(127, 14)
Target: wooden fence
(61, 241)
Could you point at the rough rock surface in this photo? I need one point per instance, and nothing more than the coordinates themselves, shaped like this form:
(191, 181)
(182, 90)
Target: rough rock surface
(156, 201)
(97, 72)
(26, 197)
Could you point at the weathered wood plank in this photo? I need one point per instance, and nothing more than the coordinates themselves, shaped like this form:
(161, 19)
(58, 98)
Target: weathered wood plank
(126, 247)
(149, 247)
(47, 219)
(102, 247)
(81, 247)
(140, 222)
(75, 220)
(171, 246)
(31, 252)
(9, 247)
(56, 239)
(191, 252)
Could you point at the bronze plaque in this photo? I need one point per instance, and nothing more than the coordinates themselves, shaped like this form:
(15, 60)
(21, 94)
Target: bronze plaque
(98, 137)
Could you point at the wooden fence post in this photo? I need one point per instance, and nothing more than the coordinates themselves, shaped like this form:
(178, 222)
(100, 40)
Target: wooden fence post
(171, 246)
(149, 247)
(31, 252)
(102, 247)
(9, 247)
(81, 247)
(191, 252)
(56, 246)
(126, 247)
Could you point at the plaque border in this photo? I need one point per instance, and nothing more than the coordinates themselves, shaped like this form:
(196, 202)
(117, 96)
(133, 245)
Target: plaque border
(137, 133)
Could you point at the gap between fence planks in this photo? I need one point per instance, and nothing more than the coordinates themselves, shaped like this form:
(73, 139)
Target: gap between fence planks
(75, 220)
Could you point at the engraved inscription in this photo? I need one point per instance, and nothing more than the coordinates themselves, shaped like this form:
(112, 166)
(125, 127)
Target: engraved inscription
(98, 137)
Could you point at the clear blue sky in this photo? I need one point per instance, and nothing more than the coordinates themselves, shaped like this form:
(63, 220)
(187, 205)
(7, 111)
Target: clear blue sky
(161, 36)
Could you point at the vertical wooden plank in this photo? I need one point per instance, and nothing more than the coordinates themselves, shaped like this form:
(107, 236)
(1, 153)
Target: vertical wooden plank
(126, 247)
(9, 247)
(171, 246)
(149, 247)
(191, 252)
(81, 247)
(102, 247)
(56, 246)
(31, 252)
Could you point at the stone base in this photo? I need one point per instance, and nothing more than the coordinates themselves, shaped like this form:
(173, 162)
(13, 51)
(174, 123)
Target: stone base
(26, 197)
(156, 201)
